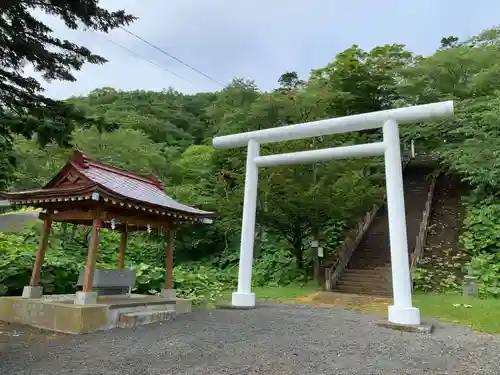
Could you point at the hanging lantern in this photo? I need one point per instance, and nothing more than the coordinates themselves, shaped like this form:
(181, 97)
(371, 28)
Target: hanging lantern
(113, 224)
(149, 228)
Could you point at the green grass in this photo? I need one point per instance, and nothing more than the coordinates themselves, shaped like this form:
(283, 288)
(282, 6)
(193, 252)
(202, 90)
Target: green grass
(285, 293)
(483, 316)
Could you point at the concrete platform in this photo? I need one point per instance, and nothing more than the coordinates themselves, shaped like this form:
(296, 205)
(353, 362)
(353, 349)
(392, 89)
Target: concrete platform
(62, 315)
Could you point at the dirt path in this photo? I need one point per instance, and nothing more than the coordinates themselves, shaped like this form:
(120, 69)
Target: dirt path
(361, 303)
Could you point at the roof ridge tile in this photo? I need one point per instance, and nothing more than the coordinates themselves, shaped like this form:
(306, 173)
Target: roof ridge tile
(80, 160)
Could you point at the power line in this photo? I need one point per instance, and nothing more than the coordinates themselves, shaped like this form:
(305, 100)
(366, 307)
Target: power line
(172, 56)
(155, 64)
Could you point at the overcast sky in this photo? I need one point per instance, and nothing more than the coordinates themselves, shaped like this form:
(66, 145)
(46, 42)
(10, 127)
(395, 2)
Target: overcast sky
(258, 39)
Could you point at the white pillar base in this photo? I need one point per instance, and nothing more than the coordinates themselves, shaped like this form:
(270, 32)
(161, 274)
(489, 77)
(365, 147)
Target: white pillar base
(86, 298)
(32, 292)
(243, 299)
(169, 293)
(404, 315)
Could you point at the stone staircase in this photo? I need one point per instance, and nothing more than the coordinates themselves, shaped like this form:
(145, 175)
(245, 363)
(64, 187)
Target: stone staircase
(369, 268)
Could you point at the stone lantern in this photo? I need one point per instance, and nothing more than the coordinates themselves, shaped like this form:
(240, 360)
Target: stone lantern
(470, 288)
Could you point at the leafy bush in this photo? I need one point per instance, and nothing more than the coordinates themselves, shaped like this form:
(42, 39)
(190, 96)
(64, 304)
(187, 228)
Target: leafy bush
(482, 227)
(276, 268)
(199, 283)
(62, 266)
(481, 237)
(17, 256)
(422, 279)
(486, 267)
(439, 273)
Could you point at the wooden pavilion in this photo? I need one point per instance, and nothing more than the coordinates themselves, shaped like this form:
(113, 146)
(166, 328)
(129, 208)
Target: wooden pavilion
(102, 196)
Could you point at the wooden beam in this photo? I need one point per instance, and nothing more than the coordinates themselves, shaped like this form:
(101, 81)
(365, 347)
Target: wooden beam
(131, 220)
(70, 215)
(91, 256)
(122, 248)
(169, 261)
(40, 252)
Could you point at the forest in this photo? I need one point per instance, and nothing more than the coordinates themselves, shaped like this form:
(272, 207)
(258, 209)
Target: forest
(169, 133)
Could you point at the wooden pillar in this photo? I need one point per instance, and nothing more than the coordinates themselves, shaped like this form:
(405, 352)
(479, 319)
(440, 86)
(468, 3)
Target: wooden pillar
(40, 252)
(123, 247)
(92, 256)
(169, 260)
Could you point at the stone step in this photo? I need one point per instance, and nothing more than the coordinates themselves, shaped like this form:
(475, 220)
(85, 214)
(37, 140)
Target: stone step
(134, 319)
(367, 263)
(368, 271)
(375, 258)
(368, 266)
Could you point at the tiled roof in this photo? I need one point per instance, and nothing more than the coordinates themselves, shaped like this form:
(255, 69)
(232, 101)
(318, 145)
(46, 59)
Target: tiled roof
(136, 188)
(105, 179)
(129, 185)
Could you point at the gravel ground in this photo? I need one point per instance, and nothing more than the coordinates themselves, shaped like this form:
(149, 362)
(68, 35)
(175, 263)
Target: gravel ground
(273, 339)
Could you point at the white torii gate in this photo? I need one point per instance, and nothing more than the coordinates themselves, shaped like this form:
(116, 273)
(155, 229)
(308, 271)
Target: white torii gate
(402, 311)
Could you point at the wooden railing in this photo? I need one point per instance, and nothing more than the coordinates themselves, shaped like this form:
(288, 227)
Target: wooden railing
(336, 265)
(424, 226)
(334, 270)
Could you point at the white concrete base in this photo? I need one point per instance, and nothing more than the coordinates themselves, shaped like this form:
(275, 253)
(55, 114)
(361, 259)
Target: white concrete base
(169, 293)
(243, 299)
(402, 315)
(32, 292)
(86, 298)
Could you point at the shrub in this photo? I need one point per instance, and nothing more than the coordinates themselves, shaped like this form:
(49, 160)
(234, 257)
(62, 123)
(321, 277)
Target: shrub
(62, 266)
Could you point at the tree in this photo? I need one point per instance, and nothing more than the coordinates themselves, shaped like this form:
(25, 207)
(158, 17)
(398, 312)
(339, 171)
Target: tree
(468, 73)
(160, 115)
(233, 101)
(195, 179)
(449, 42)
(290, 81)
(358, 81)
(25, 40)
(124, 148)
(294, 202)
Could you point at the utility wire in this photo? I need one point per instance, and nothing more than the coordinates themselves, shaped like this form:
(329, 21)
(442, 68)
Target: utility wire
(155, 64)
(172, 56)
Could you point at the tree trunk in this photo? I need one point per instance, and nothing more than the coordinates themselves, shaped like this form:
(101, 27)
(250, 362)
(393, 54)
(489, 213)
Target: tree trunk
(298, 252)
(258, 241)
(299, 259)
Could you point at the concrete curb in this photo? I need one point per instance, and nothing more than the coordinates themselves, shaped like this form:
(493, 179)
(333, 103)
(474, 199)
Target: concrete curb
(422, 328)
(228, 306)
